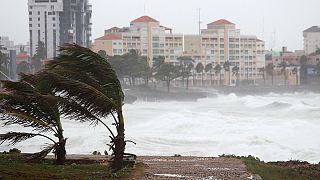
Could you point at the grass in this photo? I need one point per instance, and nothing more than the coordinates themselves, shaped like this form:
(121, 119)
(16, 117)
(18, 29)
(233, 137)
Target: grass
(14, 166)
(273, 171)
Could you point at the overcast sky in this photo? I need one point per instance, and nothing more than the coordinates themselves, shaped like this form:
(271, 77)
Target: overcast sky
(283, 19)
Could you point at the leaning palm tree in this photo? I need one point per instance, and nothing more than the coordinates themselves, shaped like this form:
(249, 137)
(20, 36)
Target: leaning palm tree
(235, 72)
(87, 78)
(23, 104)
(270, 71)
(283, 65)
(262, 71)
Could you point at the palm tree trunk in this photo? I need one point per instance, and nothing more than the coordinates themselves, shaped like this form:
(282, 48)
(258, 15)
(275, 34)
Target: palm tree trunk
(219, 78)
(272, 79)
(119, 144)
(187, 84)
(202, 79)
(168, 86)
(60, 151)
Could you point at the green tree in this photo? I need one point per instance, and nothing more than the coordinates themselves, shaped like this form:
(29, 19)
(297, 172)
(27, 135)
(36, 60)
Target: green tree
(185, 62)
(208, 68)
(317, 69)
(235, 72)
(25, 105)
(270, 71)
(23, 67)
(41, 54)
(283, 65)
(167, 72)
(295, 72)
(262, 71)
(200, 68)
(217, 70)
(4, 61)
(304, 69)
(226, 67)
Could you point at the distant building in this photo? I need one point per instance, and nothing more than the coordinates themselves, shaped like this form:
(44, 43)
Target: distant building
(311, 39)
(222, 42)
(56, 22)
(145, 35)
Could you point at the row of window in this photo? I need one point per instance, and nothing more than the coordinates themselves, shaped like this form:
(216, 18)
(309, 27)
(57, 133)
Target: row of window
(53, 25)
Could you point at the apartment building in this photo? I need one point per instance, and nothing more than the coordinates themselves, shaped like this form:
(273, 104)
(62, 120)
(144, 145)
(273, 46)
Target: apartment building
(56, 22)
(311, 39)
(222, 42)
(145, 35)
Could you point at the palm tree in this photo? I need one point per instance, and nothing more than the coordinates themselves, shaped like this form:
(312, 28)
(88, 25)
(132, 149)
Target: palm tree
(199, 69)
(207, 69)
(217, 70)
(235, 72)
(295, 72)
(87, 78)
(283, 66)
(270, 71)
(185, 61)
(4, 66)
(25, 105)
(226, 67)
(262, 71)
(168, 72)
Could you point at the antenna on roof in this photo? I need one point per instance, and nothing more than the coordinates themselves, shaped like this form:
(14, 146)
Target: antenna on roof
(144, 9)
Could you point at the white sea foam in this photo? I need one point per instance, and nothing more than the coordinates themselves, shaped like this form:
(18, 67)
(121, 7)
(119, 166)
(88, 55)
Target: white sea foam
(272, 127)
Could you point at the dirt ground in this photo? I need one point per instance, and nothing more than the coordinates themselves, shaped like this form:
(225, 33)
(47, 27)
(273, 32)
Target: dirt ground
(185, 167)
(194, 168)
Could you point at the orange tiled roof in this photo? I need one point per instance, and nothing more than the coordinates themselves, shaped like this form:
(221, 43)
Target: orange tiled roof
(109, 37)
(221, 22)
(144, 19)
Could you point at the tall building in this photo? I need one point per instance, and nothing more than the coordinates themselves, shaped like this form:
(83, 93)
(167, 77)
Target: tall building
(56, 22)
(146, 35)
(311, 39)
(222, 42)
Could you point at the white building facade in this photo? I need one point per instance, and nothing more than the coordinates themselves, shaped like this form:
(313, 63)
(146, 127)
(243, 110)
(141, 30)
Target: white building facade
(56, 22)
(311, 39)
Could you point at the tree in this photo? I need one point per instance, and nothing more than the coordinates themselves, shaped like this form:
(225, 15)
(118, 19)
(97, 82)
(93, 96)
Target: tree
(235, 72)
(185, 62)
(226, 67)
(41, 54)
(262, 71)
(283, 65)
(25, 105)
(4, 61)
(270, 71)
(167, 72)
(102, 53)
(295, 72)
(318, 68)
(304, 69)
(87, 78)
(217, 70)
(208, 68)
(23, 67)
(200, 69)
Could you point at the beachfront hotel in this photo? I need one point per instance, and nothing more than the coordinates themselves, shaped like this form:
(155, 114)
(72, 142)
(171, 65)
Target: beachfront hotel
(221, 41)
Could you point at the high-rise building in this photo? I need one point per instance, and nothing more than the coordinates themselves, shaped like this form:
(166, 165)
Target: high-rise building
(56, 22)
(146, 35)
(311, 39)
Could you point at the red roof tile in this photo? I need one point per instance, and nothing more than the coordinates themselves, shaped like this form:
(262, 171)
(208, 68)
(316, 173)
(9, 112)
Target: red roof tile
(23, 55)
(114, 28)
(144, 19)
(221, 22)
(109, 37)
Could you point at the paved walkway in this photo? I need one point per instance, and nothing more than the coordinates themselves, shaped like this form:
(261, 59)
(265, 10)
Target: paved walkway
(195, 168)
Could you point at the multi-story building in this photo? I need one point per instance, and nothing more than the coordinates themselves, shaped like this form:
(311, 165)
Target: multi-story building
(145, 35)
(56, 22)
(311, 39)
(222, 42)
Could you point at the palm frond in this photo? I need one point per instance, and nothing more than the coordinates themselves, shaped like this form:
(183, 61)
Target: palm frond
(42, 154)
(16, 137)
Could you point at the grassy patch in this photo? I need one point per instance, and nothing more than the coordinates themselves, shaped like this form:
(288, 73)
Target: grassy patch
(13, 166)
(275, 171)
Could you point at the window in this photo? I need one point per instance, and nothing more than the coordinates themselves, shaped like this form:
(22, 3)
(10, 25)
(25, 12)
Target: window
(38, 12)
(38, 25)
(54, 25)
(38, 19)
(221, 45)
(30, 12)
(53, 19)
(30, 19)
(30, 25)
